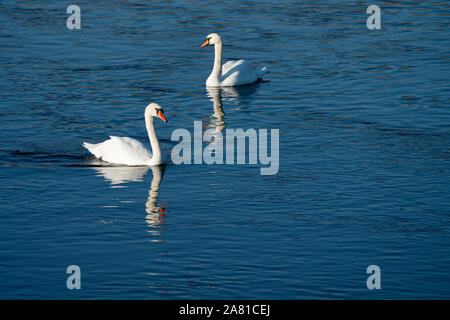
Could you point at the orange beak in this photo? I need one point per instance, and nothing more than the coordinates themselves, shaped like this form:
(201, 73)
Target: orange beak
(161, 116)
(205, 43)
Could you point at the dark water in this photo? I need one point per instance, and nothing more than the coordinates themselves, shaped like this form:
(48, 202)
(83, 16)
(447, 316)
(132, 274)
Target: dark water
(364, 151)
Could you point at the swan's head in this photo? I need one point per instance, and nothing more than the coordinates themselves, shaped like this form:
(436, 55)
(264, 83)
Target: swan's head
(212, 39)
(155, 110)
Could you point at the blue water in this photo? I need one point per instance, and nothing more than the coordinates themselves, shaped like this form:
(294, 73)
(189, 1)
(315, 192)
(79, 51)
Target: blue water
(364, 124)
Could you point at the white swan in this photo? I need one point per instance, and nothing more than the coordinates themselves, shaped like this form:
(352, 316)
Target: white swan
(128, 151)
(231, 73)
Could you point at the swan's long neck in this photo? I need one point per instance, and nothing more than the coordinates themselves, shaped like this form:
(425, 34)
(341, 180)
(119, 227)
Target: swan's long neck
(216, 73)
(154, 143)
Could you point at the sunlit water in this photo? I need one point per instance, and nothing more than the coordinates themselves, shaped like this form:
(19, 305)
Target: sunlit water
(364, 151)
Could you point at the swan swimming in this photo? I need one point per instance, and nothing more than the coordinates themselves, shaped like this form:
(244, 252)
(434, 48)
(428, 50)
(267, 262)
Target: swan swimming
(231, 73)
(129, 151)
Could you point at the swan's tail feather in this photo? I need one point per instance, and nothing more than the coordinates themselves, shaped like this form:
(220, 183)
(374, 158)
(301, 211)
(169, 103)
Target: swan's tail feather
(90, 147)
(263, 71)
(87, 145)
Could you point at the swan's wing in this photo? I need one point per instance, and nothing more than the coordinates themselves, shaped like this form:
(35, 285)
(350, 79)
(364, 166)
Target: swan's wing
(228, 65)
(126, 142)
(121, 150)
(235, 73)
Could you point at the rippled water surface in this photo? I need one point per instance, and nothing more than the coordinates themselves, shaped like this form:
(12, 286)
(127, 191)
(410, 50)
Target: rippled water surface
(364, 151)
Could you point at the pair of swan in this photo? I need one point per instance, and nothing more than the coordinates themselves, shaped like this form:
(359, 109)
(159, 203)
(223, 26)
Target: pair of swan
(129, 151)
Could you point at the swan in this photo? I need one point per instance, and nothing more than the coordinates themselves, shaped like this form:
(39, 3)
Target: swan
(231, 73)
(128, 151)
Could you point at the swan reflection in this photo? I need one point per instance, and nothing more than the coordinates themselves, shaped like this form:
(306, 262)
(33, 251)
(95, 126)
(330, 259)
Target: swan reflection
(122, 174)
(155, 212)
(218, 95)
(216, 120)
(117, 175)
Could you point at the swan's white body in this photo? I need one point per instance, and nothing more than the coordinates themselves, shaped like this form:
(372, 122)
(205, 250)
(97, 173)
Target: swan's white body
(231, 73)
(122, 150)
(129, 151)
